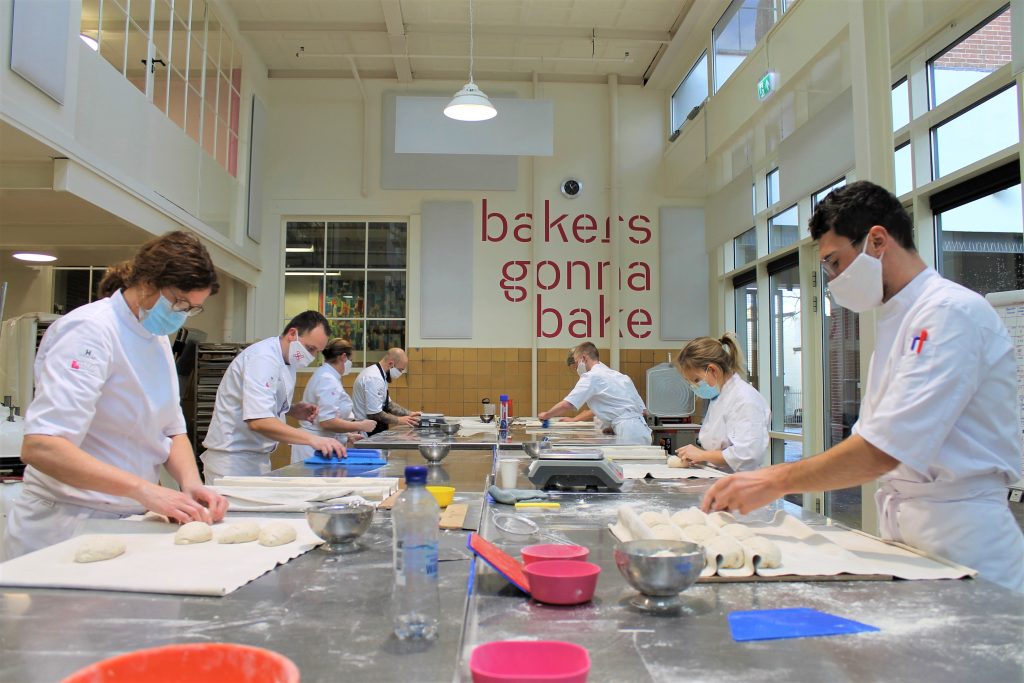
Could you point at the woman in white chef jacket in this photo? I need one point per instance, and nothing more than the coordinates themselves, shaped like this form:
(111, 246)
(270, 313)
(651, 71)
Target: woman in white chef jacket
(734, 432)
(106, 413)
(334, 416)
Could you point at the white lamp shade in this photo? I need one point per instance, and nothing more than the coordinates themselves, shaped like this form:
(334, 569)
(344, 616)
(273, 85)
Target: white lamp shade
(470, 104)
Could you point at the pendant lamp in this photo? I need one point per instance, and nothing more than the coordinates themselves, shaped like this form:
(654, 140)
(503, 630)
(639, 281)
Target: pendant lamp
(470, 103)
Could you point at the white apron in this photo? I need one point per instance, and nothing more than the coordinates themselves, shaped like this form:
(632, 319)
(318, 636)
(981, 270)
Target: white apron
(632, 431)
(37, 523)
(217, 464)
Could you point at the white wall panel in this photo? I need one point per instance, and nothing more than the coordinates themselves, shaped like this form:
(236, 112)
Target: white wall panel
(684, 273)
(446, 270)
(521, 128)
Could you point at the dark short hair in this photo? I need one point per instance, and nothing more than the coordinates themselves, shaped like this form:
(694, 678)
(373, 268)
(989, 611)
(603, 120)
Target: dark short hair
(851, 211)
(307, 321)
(588, 350)
(336, 348)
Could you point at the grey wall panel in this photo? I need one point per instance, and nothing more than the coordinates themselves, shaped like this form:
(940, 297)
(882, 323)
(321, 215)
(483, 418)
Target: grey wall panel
(817, 152)
(730, 210)
(439, 171)
(522, 127)
(257, 145)
(446, 270)
(683, 282)
(40, 36)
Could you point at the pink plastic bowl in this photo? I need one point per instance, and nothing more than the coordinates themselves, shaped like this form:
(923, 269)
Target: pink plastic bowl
(562, 582)
(535, 661)
(553, 551)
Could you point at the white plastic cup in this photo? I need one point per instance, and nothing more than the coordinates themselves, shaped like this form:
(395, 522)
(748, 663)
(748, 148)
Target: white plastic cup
(508, 473)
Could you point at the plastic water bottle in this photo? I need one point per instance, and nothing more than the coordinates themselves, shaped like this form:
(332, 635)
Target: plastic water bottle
(416, 600)
(503, 418)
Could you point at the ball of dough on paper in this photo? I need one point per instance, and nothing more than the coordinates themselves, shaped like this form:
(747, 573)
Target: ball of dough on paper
(667, 532)
(99, 549)
(768, 551)
(650, 518)
(239, 532)
(720, 519)
(277, 533)
(739, 531)
(193, 532)
(698, 533)
(689, 517)
(675, 461)
(726, 547)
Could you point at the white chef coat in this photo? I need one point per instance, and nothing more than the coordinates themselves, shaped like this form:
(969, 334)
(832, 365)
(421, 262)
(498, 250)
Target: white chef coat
(324, 390)
(257, 384)
(109, 386)
(614, 400)
(736, 423)
(945, 407)
(370, 392)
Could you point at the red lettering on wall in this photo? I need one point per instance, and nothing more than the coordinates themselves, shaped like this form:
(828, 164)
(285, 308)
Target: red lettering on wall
(637, 320)
(583, 224)
(542, 312)
(523, 232)
(552, 267)
(485, 234)
(557, 224)
(643, 232)
(639, 281)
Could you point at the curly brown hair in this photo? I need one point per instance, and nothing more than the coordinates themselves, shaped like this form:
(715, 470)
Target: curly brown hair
(176, 259)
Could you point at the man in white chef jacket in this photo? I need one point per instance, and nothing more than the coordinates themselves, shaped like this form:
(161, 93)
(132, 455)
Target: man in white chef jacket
(254, 397)
(938, 417)
(371, 399)
(610, 395)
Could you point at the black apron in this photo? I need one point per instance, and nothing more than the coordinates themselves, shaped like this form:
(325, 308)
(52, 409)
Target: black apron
(383, 426)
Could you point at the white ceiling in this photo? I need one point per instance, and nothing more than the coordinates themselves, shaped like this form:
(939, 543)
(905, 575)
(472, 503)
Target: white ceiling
(416, 40)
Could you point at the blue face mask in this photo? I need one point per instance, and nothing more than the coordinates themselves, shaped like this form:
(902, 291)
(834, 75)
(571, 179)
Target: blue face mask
(705, 390)
(162, 320)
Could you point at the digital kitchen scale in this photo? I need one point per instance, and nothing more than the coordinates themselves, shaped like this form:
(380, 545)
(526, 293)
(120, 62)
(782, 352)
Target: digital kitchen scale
(575, 469)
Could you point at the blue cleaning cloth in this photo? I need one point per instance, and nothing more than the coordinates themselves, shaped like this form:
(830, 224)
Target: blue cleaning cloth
(356, 456)
(775, 624)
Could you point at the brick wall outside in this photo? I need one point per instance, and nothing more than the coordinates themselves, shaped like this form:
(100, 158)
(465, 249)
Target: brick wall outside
(985, 50)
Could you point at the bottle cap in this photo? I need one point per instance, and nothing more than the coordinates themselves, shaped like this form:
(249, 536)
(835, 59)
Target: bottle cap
(503, 397)
(416, 474)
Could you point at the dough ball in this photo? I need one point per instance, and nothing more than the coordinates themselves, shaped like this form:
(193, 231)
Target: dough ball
(674, 461)
(239, 532)
(768, 551)
(689, 517)
(720, 519)
(667, 532)
(698, 533)
(650, 518)
(193, 532)
(98, 549)
(726, 547)
(277, 533)
(740, 531)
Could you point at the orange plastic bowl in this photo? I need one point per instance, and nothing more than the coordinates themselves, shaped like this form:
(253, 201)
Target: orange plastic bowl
(553, 551)
(562, 582)
(190, 663)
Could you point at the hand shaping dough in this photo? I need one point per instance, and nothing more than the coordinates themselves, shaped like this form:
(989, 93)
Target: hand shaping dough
(768, 551)
(739, 531)
(689, 517)
(277, 533)
(718, 519)
(698, 533)
(667, 532)
(726, 547)
(239, 532)
(674, 461)
(98, 549)
(193, 532)
(651, 518)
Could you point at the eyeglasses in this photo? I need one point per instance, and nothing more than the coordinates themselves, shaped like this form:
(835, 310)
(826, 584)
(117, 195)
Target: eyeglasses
(182, 305)
(830, 263)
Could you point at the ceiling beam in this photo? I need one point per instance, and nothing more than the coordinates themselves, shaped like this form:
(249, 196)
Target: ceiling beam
(458, 29)
(481, 76)
(396, 37)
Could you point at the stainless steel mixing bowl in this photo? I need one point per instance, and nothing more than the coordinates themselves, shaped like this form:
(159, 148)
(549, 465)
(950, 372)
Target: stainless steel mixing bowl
(659, 569)
(449, 428)
(340, 524)
(434, 452)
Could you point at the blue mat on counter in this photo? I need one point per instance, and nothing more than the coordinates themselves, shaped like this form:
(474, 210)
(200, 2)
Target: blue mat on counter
(800, 622)
(356, 456)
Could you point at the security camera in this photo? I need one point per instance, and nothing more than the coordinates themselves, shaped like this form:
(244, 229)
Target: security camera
(571, 187)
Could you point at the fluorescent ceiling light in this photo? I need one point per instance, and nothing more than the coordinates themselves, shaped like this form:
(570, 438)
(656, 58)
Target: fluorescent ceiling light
(90, 41)
(470, 103)
(299, 250)
(38, 258)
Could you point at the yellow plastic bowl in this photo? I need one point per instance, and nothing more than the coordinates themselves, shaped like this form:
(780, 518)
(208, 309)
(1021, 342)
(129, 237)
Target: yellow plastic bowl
(442, 494)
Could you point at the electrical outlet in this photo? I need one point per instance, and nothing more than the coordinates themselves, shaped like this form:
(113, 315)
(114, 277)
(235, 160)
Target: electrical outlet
(1016, 495)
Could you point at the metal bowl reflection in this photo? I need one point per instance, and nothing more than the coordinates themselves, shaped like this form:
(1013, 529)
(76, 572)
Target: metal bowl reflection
(449, 428)
(659, 569)
(487, 418)
(340, 524)
(434, 452)
(534, 448)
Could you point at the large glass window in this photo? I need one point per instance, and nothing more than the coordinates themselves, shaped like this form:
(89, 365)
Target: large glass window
(745, 301)
(783, 229)
(690, 93)
(904, 169)
(74, 287)
(820, 195)
(900, 104)
(985, 128)
(786, 351)
(976, 55)
(744, 248)
(354, 272)
(736, 34)
(772, 182)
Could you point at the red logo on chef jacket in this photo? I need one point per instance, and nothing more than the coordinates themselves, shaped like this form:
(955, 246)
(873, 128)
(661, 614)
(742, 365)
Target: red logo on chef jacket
(75, 365)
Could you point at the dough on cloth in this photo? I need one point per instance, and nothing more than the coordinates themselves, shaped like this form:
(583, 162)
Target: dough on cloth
(689, 517)
(277, 533)
(652, 518)
(667, 532)
(193, 532)
(98, 549)
(698, 533)
(768, 551)
(675, 461)
(719, 519)
(239, 532)
(727, 548)
(738, 531)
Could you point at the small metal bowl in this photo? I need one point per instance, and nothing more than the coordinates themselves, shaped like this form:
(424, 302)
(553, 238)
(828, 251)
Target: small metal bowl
(340, 524)
(434, 452)
(486, 418)
(449, 428)
(660, 570)
(534, 448)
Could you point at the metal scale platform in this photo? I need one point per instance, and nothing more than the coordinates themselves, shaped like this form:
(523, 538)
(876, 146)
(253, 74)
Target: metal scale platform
(575, 469)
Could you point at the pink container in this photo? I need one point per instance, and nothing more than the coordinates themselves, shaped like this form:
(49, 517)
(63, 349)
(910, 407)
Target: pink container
(562, 582)
(533, 661)
(553, 551)
(191, 662)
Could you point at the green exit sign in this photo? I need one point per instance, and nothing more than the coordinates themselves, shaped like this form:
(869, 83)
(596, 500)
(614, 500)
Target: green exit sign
(766, 86)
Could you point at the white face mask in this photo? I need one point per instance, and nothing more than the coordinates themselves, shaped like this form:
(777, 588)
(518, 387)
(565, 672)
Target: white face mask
(859, 287)
(395, 373)
(299, 355)
(581, 368)
(348, 367)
